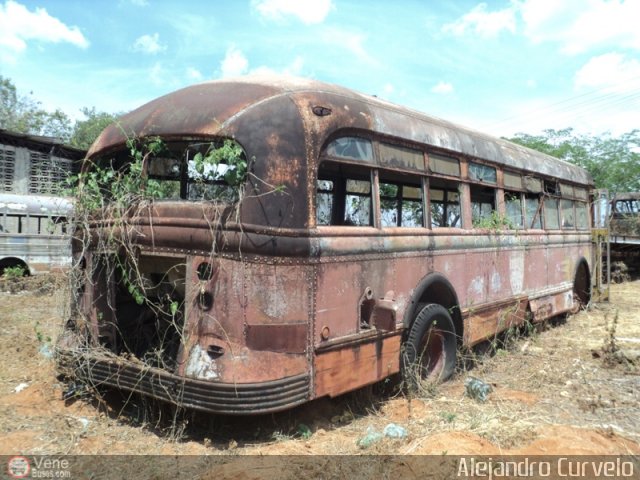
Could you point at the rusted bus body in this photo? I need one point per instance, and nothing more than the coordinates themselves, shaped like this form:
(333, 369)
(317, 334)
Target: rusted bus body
(295, 297)
(624, 226)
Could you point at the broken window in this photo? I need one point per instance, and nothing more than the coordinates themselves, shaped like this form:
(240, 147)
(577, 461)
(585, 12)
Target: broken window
(483, 203)
(351, 147)
(343, 195)
(513, 207)
(357, 206)
(582, 216)
(445, 204)
(567, 214)
(205, 170)
(324, 202)
(400, 205)
(532, 211)
(482, 173)
(551, 211)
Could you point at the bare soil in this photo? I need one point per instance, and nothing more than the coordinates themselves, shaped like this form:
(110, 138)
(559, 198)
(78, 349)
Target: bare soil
(568, 388)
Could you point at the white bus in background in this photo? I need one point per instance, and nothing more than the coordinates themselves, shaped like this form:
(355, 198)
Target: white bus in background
(34, 233)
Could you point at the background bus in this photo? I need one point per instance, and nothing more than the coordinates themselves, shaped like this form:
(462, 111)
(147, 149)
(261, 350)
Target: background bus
(624, 235)
(33, 173)
(362, 239)
(34, 233)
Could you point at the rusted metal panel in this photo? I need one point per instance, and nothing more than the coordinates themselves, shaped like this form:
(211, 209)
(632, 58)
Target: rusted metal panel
(342, 370)
(238, 363)
(276, 294)
(286, 338)
(486, 321)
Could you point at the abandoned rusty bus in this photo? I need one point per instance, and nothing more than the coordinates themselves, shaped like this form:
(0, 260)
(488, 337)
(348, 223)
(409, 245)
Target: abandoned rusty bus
(367, 239)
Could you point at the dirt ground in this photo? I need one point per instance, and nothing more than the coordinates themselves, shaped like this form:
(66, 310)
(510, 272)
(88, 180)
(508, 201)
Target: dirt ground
(570, 388)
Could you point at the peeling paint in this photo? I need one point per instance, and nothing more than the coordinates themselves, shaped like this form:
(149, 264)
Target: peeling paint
(200, 365)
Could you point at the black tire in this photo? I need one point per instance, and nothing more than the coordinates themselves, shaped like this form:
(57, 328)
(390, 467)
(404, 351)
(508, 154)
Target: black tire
(429, 351)
(581, 289)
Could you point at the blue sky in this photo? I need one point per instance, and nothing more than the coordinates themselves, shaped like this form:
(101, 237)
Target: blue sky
(501, 67)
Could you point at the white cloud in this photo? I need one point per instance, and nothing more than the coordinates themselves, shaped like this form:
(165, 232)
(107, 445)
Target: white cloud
(388, 89)
(351, 41)
(157, 74)
(294, 68)
(149, 44)
(611, 72)
(580, 25)
(18, 25)
(307, 11)
(483, 23)
(577, 25)
(234, 63)
(193, 74)
(442, 88)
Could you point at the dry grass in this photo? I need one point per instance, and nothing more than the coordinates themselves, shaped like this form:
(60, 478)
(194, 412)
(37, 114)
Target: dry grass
(554, 391)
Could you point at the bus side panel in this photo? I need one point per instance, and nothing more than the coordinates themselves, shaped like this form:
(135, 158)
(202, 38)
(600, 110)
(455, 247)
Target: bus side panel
(340, 290)
(345, 369)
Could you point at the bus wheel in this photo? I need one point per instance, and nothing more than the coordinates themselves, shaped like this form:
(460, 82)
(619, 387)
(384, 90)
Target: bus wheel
(429, 351)
(581, 289)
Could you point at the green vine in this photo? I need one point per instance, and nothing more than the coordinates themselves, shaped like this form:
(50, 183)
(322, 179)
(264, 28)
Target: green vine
(494, 222)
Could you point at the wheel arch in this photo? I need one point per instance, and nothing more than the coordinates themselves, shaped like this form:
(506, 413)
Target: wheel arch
(14, 262)
(582, 269)
(435, 288)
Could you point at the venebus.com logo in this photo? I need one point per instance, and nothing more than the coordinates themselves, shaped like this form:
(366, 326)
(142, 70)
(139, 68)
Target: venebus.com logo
(39, 467)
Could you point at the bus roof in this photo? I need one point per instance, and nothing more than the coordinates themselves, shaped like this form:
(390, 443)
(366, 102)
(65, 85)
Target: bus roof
(34, 205)
(224, 107)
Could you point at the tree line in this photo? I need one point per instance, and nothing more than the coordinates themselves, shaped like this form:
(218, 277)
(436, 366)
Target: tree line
(613, 161)
(24, 114)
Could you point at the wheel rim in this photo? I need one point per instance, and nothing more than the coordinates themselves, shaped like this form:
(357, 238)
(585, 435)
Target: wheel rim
(432, 357)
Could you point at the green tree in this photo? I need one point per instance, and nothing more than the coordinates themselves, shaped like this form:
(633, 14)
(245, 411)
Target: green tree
(23, 114)
(614, 162)
(86, 131)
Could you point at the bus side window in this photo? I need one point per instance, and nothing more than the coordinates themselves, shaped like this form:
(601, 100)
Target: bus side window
(343, 198)
(513, 206)
(400, 205)
(567, 215)
(357, 204)
(31, 225)
(445, 207)
(582, 216)
(483, 203)
(551, 219)
(12, 224)
(532, 211)
(412, 214)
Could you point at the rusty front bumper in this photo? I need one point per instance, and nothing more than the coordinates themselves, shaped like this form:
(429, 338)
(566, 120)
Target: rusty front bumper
(205, 396)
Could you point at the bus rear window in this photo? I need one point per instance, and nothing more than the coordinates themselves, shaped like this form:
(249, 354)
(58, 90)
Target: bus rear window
(205, 170)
